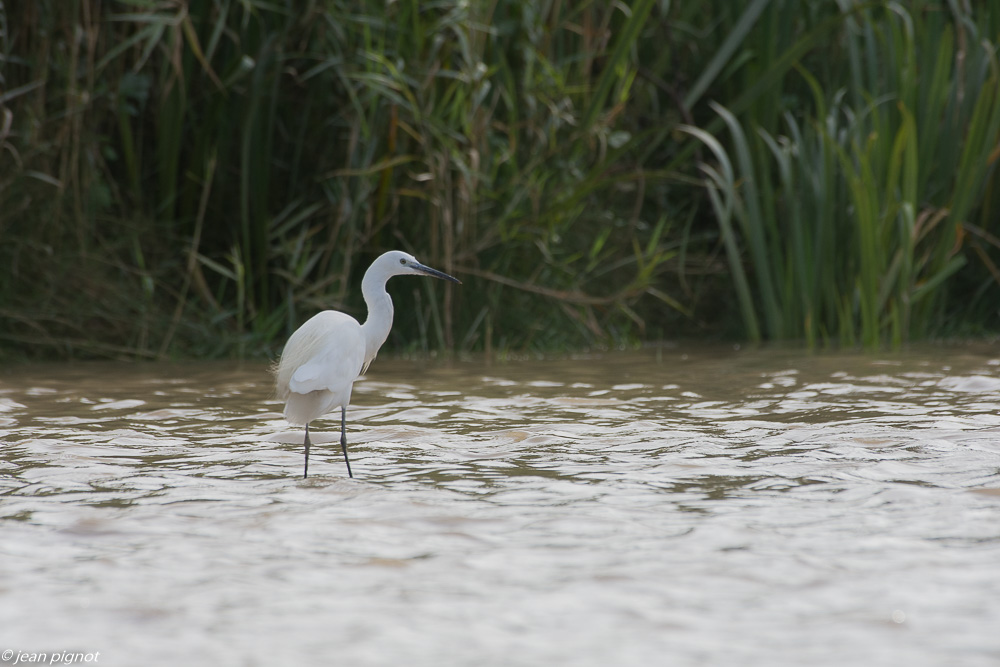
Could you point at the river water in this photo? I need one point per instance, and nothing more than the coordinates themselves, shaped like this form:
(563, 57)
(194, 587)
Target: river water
(685, 506)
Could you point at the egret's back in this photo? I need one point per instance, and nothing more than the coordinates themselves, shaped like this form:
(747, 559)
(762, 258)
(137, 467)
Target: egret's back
(319, 365)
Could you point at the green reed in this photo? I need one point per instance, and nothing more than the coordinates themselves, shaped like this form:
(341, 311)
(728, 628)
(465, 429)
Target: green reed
(850, 217)
(198, 178)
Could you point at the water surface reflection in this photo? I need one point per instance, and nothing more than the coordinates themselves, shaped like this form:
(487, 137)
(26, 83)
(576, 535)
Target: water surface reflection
(684, 507)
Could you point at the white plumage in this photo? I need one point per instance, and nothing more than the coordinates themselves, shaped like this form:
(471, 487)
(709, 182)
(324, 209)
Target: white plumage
(318, 357)
(324, 356)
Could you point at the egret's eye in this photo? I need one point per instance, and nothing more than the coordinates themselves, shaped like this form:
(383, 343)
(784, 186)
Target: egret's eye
(402, 261)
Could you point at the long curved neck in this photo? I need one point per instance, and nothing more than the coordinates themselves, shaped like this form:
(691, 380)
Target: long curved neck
(376, 327)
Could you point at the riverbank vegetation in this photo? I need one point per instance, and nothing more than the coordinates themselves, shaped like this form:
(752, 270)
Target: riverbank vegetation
(194, 178)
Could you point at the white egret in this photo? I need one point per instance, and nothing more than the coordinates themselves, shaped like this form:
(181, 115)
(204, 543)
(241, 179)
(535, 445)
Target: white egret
(324, 356)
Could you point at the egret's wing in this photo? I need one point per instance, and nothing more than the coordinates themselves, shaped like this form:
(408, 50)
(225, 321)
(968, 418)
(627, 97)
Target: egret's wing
(325, 353)
(308, 377)
(332, 370)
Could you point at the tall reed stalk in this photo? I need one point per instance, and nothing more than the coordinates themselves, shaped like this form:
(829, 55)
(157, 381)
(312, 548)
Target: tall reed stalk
(197, 177)
(850, 218)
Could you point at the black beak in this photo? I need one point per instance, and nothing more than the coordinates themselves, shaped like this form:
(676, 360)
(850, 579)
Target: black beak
(434, 272)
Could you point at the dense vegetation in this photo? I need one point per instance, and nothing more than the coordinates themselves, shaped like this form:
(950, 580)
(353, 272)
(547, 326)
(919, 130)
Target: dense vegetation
(196, 177)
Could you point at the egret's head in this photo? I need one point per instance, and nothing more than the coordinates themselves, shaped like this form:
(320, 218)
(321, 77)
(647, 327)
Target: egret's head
(399, 263)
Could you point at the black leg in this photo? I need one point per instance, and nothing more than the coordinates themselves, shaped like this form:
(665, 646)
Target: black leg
(343, 439)
(305, 473)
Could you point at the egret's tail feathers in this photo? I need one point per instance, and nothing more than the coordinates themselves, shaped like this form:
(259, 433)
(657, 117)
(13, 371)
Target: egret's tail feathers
(303, 408)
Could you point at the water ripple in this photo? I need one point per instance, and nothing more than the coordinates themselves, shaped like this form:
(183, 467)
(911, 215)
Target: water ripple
(627, 509)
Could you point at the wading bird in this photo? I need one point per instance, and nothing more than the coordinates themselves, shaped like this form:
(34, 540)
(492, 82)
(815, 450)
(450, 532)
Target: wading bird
(324, 356)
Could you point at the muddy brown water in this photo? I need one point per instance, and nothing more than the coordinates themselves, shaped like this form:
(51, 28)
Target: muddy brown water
(687, 506)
